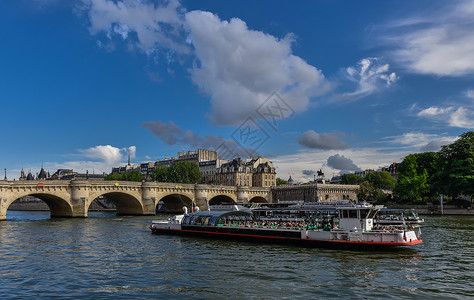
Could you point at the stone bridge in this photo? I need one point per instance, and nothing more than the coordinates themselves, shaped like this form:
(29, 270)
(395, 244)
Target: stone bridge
(72, 198)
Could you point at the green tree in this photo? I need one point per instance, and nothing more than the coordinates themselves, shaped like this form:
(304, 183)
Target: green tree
(160, 174)
(381, 179)
(455, 167)
(351, 179)
(280, 181)
(179, 172)
(185, 172)
(132, 176)
(367, 192)
(116, 177)
(411, 184)
(127, 176)
(427, 161)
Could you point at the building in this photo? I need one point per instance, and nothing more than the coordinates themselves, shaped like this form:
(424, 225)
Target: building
(264, 175)
(256, 171)
(235, 172)
(392, 169)
(208, 170)
(198, 156)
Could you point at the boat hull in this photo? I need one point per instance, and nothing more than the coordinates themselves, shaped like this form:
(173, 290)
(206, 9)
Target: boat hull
(291, 237)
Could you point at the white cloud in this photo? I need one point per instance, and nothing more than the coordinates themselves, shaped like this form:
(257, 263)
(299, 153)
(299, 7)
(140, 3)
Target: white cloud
(442, 43)
(108, 154)
(369, 74)
(470, 94)
(154, 26)
(239, 68)
(434, 111)
(418, 141)
(461, 117)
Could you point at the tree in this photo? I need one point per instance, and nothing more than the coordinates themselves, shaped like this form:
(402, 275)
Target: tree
(381, 179)
(185, 172)
(179, 172)
(160, 174)
(367, 192)
(351, 179)
(116, 177)
(127, 176)
(455, 167)
(132, 176)
(411, 184)
(280, 181)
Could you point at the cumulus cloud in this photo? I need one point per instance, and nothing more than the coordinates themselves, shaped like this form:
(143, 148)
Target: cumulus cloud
(153, 26)
(340, 162)
(325, 141)
(369, 75)
(418, 141)
(108, 153)
(239, 68)
(461, 117)
(434, 146)
(308, 172)
(441, 43)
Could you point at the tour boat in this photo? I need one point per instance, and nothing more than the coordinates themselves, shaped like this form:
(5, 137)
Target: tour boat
(338, 227)
(391, 216)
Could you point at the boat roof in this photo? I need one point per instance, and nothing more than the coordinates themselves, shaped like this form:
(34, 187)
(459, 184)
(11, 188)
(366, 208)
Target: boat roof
(220, 213)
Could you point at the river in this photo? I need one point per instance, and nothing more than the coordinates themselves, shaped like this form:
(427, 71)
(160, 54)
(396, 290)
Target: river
(107, 256)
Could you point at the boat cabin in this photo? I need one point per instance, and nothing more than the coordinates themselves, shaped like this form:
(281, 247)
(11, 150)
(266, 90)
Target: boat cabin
(216, 218)
(359, 218)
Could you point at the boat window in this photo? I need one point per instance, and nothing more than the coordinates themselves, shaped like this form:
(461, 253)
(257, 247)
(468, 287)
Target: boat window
(349, 213)
(212, 221)
(363, 213)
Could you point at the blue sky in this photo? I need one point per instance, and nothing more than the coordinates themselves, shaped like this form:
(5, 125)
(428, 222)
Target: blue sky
(332, 85)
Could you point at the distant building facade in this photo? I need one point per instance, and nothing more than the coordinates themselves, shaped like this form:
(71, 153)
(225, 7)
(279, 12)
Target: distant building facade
(255, 171)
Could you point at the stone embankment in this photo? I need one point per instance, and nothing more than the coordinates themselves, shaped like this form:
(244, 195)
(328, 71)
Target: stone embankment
(435, 209)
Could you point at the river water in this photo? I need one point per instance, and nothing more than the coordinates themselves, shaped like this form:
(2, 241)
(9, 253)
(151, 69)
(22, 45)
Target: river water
(107, 256)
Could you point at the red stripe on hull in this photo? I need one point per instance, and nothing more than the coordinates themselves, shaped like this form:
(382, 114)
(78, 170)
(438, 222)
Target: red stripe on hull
(309, 242)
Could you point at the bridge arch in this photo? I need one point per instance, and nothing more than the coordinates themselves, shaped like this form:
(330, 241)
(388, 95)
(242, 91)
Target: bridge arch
(58, 206)
(174, 203)
(125, 203)
(221, 199)
(258, 199)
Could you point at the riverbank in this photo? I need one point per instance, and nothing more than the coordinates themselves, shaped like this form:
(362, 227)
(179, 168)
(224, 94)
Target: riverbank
(435, 210)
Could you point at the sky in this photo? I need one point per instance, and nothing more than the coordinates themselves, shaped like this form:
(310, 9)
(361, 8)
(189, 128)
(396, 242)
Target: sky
(340, 86)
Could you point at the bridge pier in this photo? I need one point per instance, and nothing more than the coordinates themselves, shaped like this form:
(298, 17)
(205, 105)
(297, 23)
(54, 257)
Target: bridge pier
(149, 198)
(243, 194)
(3, 209)
(79, 198)
(200, 196)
